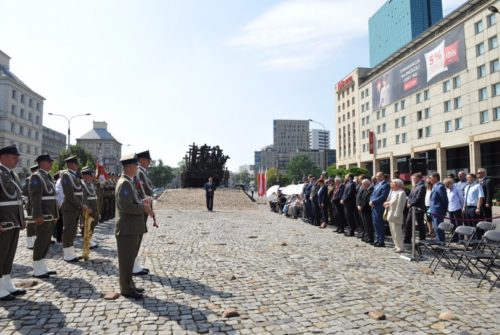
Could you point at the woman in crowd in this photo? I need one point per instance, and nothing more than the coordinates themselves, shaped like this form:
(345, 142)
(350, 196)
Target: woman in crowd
(428, 217)
(395, 206)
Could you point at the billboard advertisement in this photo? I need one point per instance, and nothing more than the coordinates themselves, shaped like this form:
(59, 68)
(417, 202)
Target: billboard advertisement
(437, 61)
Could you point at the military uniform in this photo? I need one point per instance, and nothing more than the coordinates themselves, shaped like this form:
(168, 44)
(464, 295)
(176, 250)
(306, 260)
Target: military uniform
(129, 229)
(71, 207)
(90, 199)
(30, 228)
(43, 204)
(11, 221)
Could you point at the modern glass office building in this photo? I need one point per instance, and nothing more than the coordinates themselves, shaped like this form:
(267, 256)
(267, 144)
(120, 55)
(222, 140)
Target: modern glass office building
(398, 22)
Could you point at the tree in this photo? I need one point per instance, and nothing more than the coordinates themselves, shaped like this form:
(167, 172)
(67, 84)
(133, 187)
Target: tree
(358, 171)
(301, 166)
(85, 158)
(333, 171)
(242, 177)
(160, 174)
(272, 177)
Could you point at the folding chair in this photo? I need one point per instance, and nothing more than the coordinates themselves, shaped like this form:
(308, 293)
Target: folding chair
(447, 227)
(485, 254)
(454, 248)
(483, 226)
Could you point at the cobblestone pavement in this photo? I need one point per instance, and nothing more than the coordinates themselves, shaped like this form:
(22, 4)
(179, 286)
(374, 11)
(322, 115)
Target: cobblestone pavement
(281, 275)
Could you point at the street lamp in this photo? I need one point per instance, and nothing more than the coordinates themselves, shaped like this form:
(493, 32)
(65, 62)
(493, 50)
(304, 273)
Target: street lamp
(493, 9)
(324, 134)
(69, 122)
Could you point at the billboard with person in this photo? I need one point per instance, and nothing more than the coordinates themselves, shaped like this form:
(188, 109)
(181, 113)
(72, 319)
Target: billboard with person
(437, 61)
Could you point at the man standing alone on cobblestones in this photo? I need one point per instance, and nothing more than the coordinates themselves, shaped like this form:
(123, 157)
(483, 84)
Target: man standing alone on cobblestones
(130, 225)
(209, 194)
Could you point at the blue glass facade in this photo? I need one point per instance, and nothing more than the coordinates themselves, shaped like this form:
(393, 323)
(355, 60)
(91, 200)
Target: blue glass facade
(397, 22)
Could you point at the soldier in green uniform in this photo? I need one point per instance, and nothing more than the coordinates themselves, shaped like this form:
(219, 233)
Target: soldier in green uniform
(90, 199)
(71, 207)
(130, 225)
(44, 212)
(11, 219)
(30, 228)
(145, 188)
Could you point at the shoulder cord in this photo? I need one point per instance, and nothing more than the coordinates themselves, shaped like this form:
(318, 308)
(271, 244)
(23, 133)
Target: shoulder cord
(10, 196)
(90, 192)
(147, 181)
(72, 179)
(45, 186)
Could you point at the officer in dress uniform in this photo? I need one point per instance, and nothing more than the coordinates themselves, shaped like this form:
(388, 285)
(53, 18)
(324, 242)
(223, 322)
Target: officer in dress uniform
(90, 199)
(30, 228)
(71, 207)
(130, 225)
(44, 212)
(11, 219)
(145, 188)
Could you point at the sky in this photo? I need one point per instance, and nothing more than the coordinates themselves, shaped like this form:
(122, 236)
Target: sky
(166, 73)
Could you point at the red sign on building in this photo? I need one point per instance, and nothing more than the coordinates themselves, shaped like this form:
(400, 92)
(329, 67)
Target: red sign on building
(371, 140)
(343, 83)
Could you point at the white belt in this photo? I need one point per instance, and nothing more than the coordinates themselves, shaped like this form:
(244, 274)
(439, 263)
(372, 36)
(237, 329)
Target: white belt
(79, 193)
(92, 198)
(49, 197)
(11, 203)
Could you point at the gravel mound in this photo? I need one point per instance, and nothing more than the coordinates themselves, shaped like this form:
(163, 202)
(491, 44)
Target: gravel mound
(194, 198)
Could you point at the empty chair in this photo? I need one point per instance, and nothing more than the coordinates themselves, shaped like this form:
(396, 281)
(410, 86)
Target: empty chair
(447, 227)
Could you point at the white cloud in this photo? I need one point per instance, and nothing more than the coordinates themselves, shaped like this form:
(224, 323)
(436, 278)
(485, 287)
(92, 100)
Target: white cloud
(298, 34)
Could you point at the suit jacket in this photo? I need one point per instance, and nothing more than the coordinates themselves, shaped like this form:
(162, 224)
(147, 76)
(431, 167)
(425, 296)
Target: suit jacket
(380, 194)
(349, 195)
(488, 190)
(417, 196)
(129, 209)
(439, 199)
(10, 193)
(364, 199)
(337, 195)
(323, 195)
(396, 208)
(42, 193)
(73, 193)
(209, 186)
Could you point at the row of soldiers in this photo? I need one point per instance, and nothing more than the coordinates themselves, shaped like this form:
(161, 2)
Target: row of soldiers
(71, 197)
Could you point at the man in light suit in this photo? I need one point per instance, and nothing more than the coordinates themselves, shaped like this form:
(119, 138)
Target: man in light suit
(130, 225)
(377, 199)
(439, 204)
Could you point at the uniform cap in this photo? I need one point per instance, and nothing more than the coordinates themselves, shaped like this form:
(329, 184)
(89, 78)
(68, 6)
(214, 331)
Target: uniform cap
(44, 157)
(129, 159)
(10, 150)
(144, 154)
(71, 159)
(33, 168)
(88, 170)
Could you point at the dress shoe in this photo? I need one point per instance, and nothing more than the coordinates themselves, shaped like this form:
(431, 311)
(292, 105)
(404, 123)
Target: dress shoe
(133, 295)
(94, 247)
(18, 292)
(146, 270)
(140, 290)
(379, 244)
(7, 297)
(45, 275)
(74, 260)
(369, 241)
(140, 273)
(52, 272)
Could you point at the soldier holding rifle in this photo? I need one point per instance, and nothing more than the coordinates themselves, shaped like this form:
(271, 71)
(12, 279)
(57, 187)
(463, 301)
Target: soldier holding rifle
(11, 219)
(44, 213)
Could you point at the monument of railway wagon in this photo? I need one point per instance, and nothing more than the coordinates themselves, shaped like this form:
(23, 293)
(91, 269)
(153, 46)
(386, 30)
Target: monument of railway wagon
(204, 162)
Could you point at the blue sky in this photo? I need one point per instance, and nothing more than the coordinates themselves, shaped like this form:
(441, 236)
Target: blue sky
(164, 74)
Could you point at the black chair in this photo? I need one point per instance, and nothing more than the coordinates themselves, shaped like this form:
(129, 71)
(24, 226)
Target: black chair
(453, 249)
(484, 256)
(447, 227)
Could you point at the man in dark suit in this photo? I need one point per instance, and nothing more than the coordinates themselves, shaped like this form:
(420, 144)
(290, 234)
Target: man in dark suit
(364, 209)
(377, 199)
(339, 208)
(357, 213)
(416, 203)
(349, 202)
(489, 193)
(11, 219)
(439, 204)
(307, 200)
(209, 194)
(129, 226)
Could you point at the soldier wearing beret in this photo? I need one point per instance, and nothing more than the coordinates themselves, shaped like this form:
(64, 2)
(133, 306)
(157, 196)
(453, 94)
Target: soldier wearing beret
(71, 207)
(11, 219)
(30, 228)
(44, 212)
(90, 199)
(130, 225)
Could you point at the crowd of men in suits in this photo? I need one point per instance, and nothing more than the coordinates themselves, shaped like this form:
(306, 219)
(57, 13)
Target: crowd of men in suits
(358, 205)
(54, 205)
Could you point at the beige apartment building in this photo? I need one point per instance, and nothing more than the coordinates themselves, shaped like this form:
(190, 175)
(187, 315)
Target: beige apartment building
(436, 98)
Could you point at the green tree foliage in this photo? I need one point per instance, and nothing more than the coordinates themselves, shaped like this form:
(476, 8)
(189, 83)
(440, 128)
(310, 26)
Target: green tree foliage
(272, 177)
(301, 166)
(333, 171)
(160, 174)
(358, 171)
(242, 177)
(84, 158)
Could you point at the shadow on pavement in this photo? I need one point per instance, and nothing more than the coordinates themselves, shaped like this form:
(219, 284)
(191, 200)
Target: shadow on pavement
(186, 285)
(75, 288)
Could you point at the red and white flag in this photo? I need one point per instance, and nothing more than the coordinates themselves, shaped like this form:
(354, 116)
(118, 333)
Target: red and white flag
(100, 173)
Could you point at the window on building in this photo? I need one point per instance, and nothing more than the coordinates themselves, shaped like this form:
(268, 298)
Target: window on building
(29, 132)
(493, 42)
(447, 106)
(362, 94)
(428, 131)
(419, 115)
(14, 94)
(396, 107)
(378, 129)
(427, 95)
(352, 100)
(427, 113)
(403, 137)
(383, 112)
(494, 65)
(495, 89)
(396, 123)
(348, 115)
(384, 128)
(480, 50)
(30, 116)
(457, 102)
(420, 133)
(21, 130)
(418, 98)
(447, 126)
(348, 103)
(13, 127)
(384, 142)
(496, 113)
(402, 104)
(403, 121)
(481, 71)
(343, 117)
(457, 82)
(446, 86)
(37, 120)
(379, 144)
(483, 94)
(13, 109)
(367, 106)
(367, 93)
(368, 119)
(483, 117)
(478, 26)
(491, 19)
(362, 108)
(22, 98)
(21, 114)
(397, 139)
(362, 121)
(378, 115)
(459, 123)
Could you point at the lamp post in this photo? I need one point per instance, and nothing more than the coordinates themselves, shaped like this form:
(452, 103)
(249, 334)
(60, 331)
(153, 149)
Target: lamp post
(324, 149)
(69, 122)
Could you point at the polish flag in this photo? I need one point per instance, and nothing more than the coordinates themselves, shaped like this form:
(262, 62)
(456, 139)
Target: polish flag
(100, 173)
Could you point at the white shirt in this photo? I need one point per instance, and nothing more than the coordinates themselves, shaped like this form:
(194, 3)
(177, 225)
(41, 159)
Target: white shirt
(59, 193)
(455, 199)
